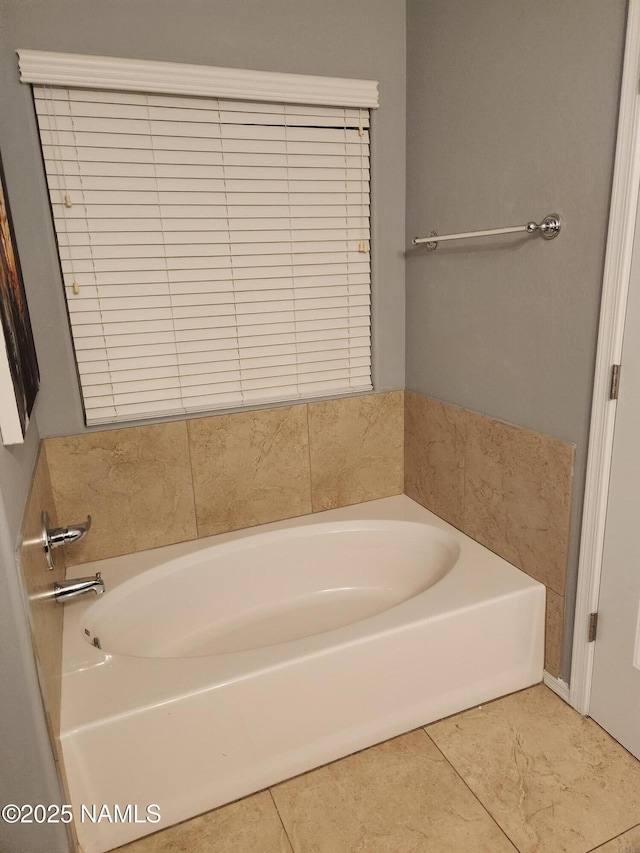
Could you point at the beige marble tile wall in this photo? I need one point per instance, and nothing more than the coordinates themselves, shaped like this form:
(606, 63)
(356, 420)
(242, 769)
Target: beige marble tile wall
(163, 483)
(505, 486)
(155, 485)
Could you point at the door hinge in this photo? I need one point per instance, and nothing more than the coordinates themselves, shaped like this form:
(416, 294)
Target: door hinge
(615, 382)
(593, 626)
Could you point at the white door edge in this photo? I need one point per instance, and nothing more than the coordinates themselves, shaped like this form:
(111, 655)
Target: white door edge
(622, 217)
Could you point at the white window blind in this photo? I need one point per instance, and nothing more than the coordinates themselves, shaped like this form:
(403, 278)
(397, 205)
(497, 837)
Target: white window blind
(215, 253)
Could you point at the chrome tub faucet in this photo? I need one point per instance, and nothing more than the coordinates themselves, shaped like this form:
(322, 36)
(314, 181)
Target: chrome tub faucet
(77, 586)
(53, 537)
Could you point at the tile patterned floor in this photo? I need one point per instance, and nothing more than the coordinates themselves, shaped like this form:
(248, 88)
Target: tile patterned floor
(524, 773)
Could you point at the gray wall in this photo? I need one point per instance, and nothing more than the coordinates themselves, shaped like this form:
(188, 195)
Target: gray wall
(512, 110)
(358, 38)
(27, 768)
(16, 466)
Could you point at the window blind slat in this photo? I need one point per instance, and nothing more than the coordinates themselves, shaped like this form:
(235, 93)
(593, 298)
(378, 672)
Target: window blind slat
(214, 253)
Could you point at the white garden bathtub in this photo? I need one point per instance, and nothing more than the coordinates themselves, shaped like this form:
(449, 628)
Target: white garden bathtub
(230, 663)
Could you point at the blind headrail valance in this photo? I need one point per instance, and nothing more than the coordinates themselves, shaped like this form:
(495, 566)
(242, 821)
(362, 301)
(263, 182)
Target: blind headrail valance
(142, 75)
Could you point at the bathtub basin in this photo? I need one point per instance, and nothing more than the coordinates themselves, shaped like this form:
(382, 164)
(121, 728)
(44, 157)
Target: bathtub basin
(212, 669)
(280, 586)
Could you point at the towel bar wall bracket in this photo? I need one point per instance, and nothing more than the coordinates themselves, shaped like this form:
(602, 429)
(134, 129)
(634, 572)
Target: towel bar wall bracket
(549, 228)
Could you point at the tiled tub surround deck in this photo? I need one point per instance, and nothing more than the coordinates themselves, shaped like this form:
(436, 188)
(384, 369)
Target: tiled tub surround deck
(507, 487)
(232, 663)
(164, 483)
(524, 773)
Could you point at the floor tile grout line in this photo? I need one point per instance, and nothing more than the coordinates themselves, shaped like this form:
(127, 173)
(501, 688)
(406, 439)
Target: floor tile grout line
(193, 485)
(609, 840)
(464, 470)
(306, 406)
(286, 831)
(471, 791)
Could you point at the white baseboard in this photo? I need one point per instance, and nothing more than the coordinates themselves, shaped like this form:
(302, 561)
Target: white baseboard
(560, 687)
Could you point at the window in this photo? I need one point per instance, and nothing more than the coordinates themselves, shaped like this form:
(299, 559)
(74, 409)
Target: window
(215, 252)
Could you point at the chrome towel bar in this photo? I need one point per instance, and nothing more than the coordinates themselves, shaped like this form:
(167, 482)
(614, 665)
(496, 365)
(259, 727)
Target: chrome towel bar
(549, 228)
